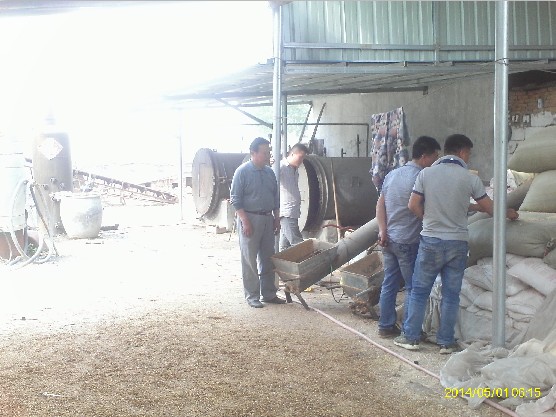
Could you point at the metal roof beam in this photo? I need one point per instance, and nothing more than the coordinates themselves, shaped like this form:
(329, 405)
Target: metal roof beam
(401, 47)
(406, 68)
(292, 92)
(251, 116)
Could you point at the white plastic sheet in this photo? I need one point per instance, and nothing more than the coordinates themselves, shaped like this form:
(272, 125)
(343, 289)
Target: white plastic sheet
(523, 378)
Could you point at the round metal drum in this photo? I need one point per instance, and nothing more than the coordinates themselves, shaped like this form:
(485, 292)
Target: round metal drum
(355, 192)
(356, 195)
(305, 192)
(212, 174)
(313, 186)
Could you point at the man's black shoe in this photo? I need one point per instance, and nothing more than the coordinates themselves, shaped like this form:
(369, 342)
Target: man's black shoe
(255, 303)
(390, 332)
(275, 300)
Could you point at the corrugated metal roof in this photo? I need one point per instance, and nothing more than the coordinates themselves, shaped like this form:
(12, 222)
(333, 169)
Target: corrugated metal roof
(254, 85)
(382, 31)
(340, 47)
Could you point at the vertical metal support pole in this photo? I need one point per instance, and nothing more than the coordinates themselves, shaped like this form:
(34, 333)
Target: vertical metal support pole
(500, 179)
(180, 162)
(277, 95)
(284, 125)
(435, 30)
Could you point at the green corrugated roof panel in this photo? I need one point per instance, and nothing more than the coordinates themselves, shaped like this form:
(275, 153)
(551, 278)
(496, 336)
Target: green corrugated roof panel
(414, 31)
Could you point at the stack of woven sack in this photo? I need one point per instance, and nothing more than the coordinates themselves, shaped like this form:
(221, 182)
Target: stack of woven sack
(530, 258)
(528, 282)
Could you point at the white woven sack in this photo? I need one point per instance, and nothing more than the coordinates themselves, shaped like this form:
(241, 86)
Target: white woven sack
(514, 200)
(511, 260)
(537, 153)
(484, 301)
(535, 273)
(521, 326)
(469, 292)
(550, 259)
(477, 325)
(519, 177)
(527, 236)
(485, 261)
(475, 275)
(464, 302)
(526, 318)
(541, 196)
(481, 275)
(525, 302)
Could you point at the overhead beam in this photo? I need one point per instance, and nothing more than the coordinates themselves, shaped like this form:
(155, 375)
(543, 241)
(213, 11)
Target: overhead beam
(254, 86)
(293, 92)
(402, 47)
(251, 116)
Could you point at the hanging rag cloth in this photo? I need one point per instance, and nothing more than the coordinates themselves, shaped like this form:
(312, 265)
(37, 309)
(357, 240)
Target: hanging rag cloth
(389, 144)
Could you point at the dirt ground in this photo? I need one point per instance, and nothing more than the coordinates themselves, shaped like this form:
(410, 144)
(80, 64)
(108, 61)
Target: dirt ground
(149, 320)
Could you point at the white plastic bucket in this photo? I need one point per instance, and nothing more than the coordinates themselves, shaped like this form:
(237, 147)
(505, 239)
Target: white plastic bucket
(81, 214)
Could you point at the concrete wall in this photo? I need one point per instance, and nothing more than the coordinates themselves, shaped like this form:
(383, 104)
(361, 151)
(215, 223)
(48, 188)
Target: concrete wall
(457, 107)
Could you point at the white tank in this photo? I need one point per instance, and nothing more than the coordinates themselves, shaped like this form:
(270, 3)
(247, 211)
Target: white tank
(12, 172)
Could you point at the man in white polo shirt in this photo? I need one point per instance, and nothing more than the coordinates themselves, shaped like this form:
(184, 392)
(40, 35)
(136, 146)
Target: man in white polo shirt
(441, 198)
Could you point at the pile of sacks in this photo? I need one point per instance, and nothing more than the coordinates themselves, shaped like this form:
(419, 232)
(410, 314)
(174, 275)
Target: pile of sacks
(530, 244)
(530, 320)
(538, 155)
(528, 282)
(523, 378)
(530, 241)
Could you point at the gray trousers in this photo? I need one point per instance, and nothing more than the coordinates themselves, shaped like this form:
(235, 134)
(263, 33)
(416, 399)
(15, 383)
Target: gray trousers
(289, 233)
(256, 266)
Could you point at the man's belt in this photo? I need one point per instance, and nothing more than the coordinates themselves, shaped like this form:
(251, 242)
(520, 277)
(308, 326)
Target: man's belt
(260, 213)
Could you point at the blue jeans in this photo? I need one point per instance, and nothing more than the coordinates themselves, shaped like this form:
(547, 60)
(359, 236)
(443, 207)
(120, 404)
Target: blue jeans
(399, 261)
(449, 259)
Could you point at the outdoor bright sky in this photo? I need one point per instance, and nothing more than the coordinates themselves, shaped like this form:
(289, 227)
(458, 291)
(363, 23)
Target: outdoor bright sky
(98, 70)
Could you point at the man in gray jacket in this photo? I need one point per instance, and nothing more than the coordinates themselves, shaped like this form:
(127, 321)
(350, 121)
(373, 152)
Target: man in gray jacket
(254, 195)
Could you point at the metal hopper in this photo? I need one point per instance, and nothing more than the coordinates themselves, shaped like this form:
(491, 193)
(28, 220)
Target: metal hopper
(308, 262)
(301, 265)
(362, 281)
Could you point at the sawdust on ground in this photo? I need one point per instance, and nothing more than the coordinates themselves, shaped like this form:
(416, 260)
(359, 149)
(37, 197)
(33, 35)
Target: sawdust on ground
(149, 320)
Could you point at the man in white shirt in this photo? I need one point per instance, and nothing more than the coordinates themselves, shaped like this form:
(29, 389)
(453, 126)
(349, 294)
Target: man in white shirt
(290, 197)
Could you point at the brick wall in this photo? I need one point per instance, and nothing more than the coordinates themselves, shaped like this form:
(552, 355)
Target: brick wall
(531, 109)
(523, 101)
